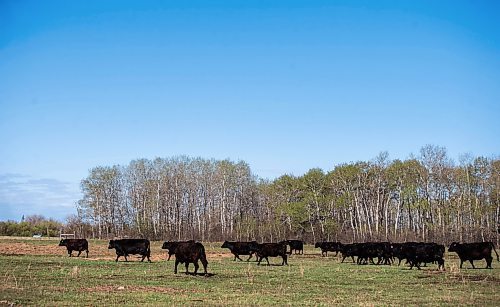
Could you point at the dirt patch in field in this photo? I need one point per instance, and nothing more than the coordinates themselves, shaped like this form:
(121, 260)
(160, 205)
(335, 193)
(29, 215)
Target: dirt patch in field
(142, 289)
(476, 278)
(29, 249)
(96, 251)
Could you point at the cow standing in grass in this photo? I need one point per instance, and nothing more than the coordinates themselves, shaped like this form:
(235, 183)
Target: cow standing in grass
(78, 245)
(328, 247)
(188, 252)
(296, 245)
(266, 250)
(171, 245)
(125, 247)
(241, 248)
(474, 251)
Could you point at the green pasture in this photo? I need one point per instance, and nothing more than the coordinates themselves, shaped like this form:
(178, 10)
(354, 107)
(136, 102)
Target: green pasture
(44, 275)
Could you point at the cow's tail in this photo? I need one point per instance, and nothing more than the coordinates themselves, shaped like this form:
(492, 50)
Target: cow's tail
(493, 246)
(203, 257)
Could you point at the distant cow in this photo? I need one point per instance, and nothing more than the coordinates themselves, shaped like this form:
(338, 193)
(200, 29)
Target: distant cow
(125, 247)
(188, 252)
(296, 245)
(171, 245)
(349, 250)
(474, 251)
(241, 248)
(328, 247)
(426, 253)
(266, 250)
(78, 245)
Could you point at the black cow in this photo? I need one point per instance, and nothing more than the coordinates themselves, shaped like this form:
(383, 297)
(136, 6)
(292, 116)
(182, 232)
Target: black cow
(328, 247)
(241, 248)
(125, 247)
(170, 246)
(266, 250)
(425, 253)
(474, 251)
(295, 245)
(349, 250)
(369, 250)
(78, 245)
(188, 252)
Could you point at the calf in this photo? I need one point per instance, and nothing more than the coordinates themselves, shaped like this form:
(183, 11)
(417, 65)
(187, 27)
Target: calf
(296, 245)
(241, 248)
(474, 251)
(125, 247)
(78, 245)
(170, 246)
(189, 252)
(266, 250)
(328, 247)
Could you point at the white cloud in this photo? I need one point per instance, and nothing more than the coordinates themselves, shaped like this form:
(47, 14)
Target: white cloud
(24, 195)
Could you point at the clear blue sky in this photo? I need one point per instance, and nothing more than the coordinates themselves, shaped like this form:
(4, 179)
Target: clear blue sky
(283, 85)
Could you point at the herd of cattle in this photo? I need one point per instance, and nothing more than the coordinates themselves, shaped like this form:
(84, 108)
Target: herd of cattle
(415, 253)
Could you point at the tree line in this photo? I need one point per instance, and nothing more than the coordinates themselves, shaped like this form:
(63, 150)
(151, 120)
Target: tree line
(427, 197)
(31, 225)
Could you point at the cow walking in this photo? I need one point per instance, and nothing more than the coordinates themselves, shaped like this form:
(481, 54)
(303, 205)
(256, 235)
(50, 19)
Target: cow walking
(188, 252)
(241, 248)
(266, 250)
(171, 245)
(125, 247)
(328, 247)
(78, 245)
(296, 245)
(474, 251)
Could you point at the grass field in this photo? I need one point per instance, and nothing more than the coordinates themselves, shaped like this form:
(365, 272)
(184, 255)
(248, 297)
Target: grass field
(38, 272)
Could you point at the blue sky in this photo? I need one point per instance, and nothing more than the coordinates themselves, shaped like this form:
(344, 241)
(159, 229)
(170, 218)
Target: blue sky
(283, 85)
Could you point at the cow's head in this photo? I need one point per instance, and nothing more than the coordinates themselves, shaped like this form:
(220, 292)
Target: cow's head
(167, 245)
(225, 244)
(63, 242)
(453, 247)
(111, 244)
(318, 244)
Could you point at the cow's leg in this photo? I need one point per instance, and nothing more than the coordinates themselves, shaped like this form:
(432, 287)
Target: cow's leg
(126, 260)
(251, 254)
(143, 256)
(79, 252)
(234, 257)
(472, 262)
(285, 261)
(440, 263)
(148, 255)
(70, 252)
(238, 256)
(204, 262)
(488, 262)
(343, 258)
(117, 256)
(175, 267)
(187, 267)
(87, 251)
(267, 259)
(169, 255)
(196, 266)
(461, 263)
